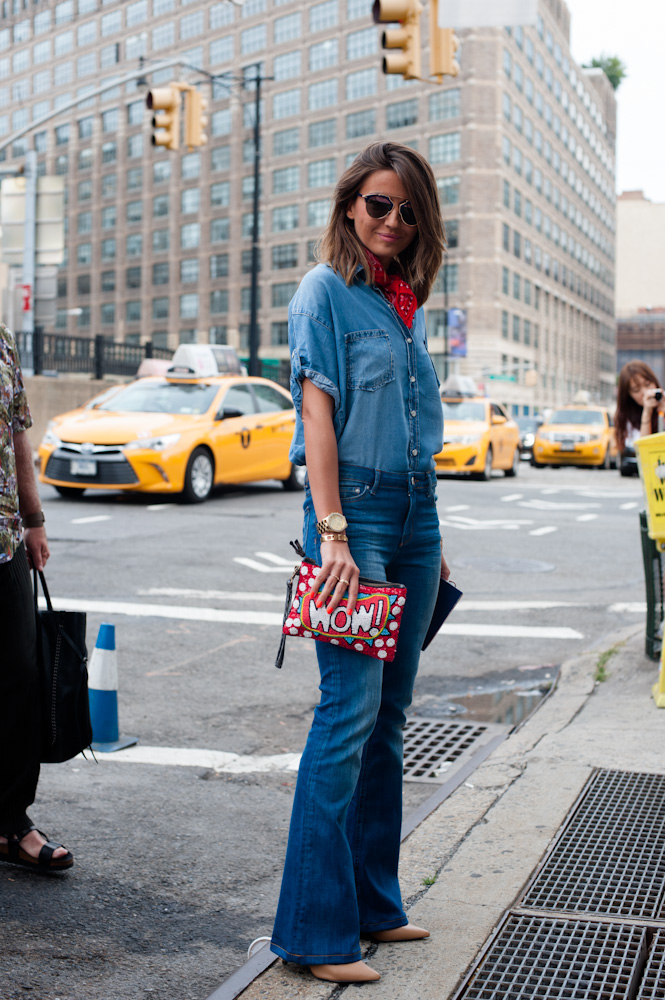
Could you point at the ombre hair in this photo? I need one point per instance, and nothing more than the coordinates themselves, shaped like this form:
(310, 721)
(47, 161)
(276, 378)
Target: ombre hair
(420, 262)
(628, 411)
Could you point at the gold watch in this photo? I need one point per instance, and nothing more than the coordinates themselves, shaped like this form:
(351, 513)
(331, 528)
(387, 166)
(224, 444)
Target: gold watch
(334, 523)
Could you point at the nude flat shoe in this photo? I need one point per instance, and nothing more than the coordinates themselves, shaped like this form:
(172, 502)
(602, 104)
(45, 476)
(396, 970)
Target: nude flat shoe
(408, 932)
(352, 972)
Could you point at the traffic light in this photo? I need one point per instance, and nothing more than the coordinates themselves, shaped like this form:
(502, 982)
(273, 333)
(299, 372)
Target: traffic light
(167, 124)
(406, 38)
(195, 118)
(443, 45)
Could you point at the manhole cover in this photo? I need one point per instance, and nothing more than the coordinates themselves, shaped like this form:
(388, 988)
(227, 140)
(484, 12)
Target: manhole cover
(653, 982)
(506, 565)
(432, 746)
(609, 858)
(540, 959)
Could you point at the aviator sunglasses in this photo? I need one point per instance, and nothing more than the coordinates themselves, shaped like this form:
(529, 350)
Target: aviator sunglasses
(380, 205)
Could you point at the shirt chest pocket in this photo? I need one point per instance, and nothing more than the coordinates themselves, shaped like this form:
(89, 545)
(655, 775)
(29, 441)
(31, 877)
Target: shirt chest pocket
(369, 360)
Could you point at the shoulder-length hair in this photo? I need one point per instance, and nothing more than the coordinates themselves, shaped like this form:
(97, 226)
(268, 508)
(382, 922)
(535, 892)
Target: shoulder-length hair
(420, 262)
(628, 411)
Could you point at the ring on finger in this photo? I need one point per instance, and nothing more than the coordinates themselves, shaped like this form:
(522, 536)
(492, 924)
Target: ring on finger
(333, 577)
(342, 580)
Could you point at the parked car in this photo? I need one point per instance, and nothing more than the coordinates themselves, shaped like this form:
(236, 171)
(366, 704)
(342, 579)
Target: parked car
(181, 433)
(527, 428)
(627, 461)
(576, 435)
(478, 436)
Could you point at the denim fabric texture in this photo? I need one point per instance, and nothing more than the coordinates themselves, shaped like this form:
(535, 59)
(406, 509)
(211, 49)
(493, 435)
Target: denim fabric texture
(340, 875)
(350, 342)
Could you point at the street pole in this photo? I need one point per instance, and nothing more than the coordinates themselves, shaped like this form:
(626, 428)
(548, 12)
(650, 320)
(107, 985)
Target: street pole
(29, 249)
(254, 363)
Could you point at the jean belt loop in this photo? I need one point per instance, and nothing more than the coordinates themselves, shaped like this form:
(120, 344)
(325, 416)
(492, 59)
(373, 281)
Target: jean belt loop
(376, 483)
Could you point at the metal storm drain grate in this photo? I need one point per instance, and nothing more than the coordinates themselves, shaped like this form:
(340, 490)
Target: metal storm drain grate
(542, 959)
(432, 746)
(653, 983)
(610, 856)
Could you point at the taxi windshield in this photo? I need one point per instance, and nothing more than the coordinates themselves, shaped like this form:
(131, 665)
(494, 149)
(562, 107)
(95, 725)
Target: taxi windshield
(577, 417)
(162, 397)
(463, 410)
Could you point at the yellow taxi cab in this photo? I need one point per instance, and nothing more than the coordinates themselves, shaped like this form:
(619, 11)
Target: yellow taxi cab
(478, 436)
(577, 434)
(179, 433)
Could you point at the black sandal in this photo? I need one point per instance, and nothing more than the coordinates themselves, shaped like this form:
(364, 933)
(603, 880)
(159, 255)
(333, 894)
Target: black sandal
(13, 853)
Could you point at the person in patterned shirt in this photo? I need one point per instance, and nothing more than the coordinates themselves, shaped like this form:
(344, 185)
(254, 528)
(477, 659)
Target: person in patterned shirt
(23, 545)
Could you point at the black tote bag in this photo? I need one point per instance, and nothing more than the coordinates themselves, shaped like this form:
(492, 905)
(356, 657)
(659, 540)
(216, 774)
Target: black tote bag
(63, 677)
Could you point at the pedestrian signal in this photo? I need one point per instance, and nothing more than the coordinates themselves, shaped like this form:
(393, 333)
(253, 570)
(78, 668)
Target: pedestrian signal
(406, 37)
(195, 118)
(165, 124)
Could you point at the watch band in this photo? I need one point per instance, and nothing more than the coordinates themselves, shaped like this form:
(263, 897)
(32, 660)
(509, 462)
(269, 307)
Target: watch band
(34, 520)
(330, 537)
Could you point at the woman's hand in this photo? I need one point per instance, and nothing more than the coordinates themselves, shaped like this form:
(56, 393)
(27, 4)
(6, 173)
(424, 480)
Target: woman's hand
(36, 547)
(445, 570)
(338, 573)
(650, 403)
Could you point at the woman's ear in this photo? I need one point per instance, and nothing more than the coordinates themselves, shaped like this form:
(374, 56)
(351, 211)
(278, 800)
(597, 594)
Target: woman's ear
(351, 210)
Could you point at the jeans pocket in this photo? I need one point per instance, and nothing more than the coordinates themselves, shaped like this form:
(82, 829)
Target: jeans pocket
(351, 490)
(369, 360)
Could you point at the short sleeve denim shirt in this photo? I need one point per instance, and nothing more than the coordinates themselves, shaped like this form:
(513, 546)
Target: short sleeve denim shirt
(350, 342)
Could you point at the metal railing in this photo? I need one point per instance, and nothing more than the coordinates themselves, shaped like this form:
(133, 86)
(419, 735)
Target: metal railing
(47, 353)
(653, 579)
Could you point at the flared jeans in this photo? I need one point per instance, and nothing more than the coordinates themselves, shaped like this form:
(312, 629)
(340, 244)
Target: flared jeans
(340, 875)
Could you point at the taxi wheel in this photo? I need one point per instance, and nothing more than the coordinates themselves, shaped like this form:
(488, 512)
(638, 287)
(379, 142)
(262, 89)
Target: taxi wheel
(515, 467)
(487, 469)
(607, 461)
(295, 480)
(199, 476)
(69, 492)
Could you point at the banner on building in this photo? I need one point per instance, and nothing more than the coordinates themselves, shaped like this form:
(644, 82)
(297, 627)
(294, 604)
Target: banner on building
(487, 13)
(457, 333)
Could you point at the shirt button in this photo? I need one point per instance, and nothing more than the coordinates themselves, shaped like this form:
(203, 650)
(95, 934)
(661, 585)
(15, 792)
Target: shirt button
(414, 451)
(413, 378)
(413, 413)
(409, 340)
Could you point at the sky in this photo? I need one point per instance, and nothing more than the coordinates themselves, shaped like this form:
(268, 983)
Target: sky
(635, 31)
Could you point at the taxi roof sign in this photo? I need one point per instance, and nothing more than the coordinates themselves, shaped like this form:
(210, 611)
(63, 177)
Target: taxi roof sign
(193, 361)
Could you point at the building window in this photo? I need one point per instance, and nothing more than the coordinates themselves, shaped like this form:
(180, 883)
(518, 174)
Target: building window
(219, 265)
(221, 15)
(84, 190)
(133, 311)
(286, 141)
(323, 15)
(109, 152)
(283, 293)
(164, 35)
(108, 313)
(108, 249)
(87, 65)
(323, 55)
(219, 300)
(279, 333)
(160, 240)
(284, 218)
(247, 224)
(189, 271)
(136, 13)
(505, 281)
(253, 39)
(134, 245)
(134, 211)
(160, 206)
(516, 328)
(217, 334)
(361, 43)
(360, 84)
(161, 171)
(160, 308)
(318, 212)
(221, 50)
(285, 255)
(83, 284)
(220, 122)
(191, 25)
(402, 113)
(287, 66)
(360, 123)
(286, 104)
(444, 148)
(160, 273)
(220, 194)
(135, 146)
(220, 159)
(452, 233)
(517, 284)
(84, 223)
(190, 201)
(61, 135)
(322, 133)
(133, 277)
(321, 173)
(287, 27)
(134, 178)
(190, 235)
(219, 230)
(246, 298)
(189, 305)
(448, 190)
(504, 325)
(286, 179)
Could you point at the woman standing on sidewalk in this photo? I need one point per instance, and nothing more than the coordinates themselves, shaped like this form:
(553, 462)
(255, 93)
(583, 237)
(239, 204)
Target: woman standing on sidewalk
(369, 421)
(637, 403)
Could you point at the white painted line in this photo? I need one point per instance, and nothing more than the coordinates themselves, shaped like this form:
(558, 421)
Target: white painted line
(512, 631)
(278, 560)
(211, 595)
(544, 531)
(550, 491)
(630, 607)
(586, 517)
(512, 496)
(236, 617)
(159, 506)
(218, 760)
(471, 524)
(460, 506)
(517, 605)
(628, 506)
(91, 520)
(259, 567)
(536, 504)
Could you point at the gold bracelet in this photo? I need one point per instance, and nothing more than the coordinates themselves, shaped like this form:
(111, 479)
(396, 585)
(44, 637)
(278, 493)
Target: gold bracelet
(329, 537)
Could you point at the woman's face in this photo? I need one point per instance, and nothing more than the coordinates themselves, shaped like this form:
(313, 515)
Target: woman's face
(385, 237)
(638, 387)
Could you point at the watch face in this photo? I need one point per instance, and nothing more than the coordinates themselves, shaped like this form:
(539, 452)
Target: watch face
(336, 522)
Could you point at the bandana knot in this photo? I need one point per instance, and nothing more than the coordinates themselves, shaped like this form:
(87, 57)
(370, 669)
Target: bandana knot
(395, 289)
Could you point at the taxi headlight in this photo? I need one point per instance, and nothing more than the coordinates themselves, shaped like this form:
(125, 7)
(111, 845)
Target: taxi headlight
(160, 443)
(51, 438)
(462, 439)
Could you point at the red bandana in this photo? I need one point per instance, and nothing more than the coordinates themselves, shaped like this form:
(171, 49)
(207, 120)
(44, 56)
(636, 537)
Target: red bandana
(397, 291)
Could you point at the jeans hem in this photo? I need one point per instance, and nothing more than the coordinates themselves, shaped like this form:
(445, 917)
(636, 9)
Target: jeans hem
(385, 925)
(332, 959)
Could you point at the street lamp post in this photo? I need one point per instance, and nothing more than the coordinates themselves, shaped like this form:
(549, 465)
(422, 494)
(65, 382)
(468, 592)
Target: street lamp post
(254, 363)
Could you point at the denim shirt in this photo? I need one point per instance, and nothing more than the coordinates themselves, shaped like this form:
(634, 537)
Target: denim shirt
(350, 342)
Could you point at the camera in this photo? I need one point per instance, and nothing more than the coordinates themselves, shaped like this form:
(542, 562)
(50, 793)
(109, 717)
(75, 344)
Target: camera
(658, 395)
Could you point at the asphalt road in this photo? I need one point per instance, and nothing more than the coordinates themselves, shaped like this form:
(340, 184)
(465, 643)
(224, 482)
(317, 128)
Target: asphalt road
(178, 861)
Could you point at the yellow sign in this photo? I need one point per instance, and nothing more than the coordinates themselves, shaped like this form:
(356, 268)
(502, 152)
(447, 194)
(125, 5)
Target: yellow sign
(651, 461)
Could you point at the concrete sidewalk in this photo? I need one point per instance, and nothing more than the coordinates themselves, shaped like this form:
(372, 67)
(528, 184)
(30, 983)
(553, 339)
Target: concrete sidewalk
(483, 843)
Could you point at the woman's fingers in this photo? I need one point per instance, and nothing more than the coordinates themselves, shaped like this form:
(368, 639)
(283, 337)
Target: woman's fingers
(338, 573)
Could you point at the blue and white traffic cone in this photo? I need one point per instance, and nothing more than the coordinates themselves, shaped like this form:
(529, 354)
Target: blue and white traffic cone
(103, 694)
